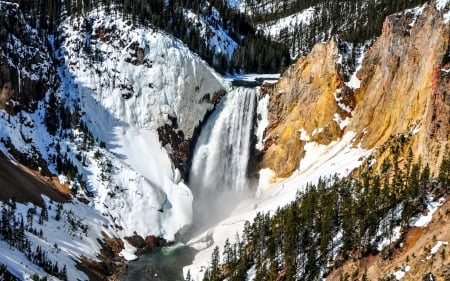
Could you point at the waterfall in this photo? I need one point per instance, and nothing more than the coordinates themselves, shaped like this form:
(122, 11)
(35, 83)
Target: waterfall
(223, 149)
(218, 176)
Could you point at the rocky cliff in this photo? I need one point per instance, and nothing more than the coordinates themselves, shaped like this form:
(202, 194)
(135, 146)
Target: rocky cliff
(26, 71)
(399, 89)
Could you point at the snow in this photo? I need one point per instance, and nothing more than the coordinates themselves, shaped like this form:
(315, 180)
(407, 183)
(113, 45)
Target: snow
(342, 123)
(143, 193)
(288, 24)
(71, 243)
(446, 17)
(128, 252)
(339, 101)
(160, 85)
(317, 131)
(384, 237)
(354, 82)
(386, 241)
(424, 219)
(441, 4)
(215, 36)
(263, 120)
(438, 245)
(402, 272)
(416, 12)
(339, 157)
(234, 3)
(304, 135)
(251, 273)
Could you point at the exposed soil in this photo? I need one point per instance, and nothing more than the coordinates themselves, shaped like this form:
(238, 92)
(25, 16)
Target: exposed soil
(26, 185)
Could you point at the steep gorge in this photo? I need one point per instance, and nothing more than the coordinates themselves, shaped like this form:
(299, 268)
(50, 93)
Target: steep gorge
(403, 90)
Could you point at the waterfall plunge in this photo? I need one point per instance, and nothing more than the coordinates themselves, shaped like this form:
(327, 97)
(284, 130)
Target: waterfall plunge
(218, 175)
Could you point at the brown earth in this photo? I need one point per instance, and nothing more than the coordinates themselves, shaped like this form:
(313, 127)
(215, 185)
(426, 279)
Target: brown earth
(414, 253)
(26, 185)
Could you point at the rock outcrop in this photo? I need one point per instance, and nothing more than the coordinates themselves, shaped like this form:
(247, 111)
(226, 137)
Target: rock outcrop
(26, 70)
(403, 87)
(403, 90)
(302, 107)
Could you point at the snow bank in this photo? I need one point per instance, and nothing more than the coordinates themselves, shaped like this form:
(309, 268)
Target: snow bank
(441, 4)
(402, 272)
(436, 248)
(424, 219)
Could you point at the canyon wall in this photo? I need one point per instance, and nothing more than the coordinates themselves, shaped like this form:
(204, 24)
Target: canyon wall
(401, 89)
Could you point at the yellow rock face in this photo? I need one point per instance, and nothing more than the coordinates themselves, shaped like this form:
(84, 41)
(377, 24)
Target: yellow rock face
(303, 99)
(402, 88)
(397, 92)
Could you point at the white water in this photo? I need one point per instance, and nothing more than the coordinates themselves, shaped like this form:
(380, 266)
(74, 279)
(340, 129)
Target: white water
(223, 149)
(218, 176)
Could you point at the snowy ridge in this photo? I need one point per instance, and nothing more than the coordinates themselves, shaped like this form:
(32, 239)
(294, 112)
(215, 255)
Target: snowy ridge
(139, 69)
(288, 24)
(215, 36)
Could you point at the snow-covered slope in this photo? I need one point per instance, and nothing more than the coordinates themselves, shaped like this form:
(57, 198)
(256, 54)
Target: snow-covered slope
(118, 84)
(140, 75)
(128, 82)
(287, 25)
(216, 38)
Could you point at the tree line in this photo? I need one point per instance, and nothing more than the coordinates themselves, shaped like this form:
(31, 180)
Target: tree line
(46, 15)
(14, 230)
(352, 21)
(331, 221)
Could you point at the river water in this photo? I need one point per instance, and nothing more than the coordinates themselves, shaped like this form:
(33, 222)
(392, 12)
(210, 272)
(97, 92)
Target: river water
(166, 264)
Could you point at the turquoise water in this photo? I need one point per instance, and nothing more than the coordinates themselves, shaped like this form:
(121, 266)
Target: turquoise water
(166, 264)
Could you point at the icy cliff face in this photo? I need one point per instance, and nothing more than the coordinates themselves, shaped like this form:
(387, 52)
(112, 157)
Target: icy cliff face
(140, 75)
(129, 81)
